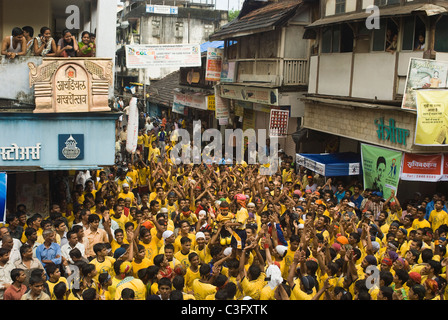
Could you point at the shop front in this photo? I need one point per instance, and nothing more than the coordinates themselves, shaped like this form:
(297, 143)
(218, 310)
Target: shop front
(35, 146)
(384, 129)
(265, 108)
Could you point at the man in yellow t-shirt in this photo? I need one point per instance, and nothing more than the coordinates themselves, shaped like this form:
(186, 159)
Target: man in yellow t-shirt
(129, 281)
(103, 263)
(154, 152)
(438, 216)
(201, 287)
(420, 221)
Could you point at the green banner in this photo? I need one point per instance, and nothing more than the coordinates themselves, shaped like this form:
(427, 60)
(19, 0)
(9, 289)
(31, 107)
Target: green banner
(381, 168)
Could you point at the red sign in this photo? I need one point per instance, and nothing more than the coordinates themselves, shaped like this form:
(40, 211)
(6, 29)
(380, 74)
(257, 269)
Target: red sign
(445, 167)
(422, 167)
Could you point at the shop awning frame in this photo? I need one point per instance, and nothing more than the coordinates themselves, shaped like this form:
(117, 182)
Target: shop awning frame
(331, 164)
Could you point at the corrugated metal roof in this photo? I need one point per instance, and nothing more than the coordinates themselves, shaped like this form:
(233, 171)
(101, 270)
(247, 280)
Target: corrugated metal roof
(384, 13)
(162, 91)
(269, 16)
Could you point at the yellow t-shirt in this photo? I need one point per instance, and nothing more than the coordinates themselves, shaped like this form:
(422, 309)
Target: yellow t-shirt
(145, 263)
(143, 174)
(133, 174)
(106, 266)
(202, 289)
(135, 284)
(253, 288)
(190, 276)
(437, 219)
(121, 221)
(150, 249)
(51, 286)
(417, 224)
(177, 244)
(183, 258)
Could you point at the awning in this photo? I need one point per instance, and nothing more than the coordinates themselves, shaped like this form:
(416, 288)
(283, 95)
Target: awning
(331, 164)
(392, 11)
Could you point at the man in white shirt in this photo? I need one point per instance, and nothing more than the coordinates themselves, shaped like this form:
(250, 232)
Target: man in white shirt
(5, 271)
(72, 243)
(14, 253)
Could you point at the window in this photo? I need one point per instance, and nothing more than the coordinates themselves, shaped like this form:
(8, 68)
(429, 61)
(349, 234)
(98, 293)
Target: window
(340, 6)
(414, 31)
(179, 32)
(381, 3)
(156, 28)
(337, 39)
(385, 38)
(441, 35)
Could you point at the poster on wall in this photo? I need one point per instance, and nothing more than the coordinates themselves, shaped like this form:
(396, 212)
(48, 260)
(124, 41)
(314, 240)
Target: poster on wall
(431, 127)
(214, 64)
(221, 107)
(228, 71)
(3, 188)
(381, 168)
(278, 123)
(423, 74)
(422, 167)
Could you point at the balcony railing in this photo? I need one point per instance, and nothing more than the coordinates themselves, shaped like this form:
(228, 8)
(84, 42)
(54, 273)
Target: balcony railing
(295, 72)
(276, 71)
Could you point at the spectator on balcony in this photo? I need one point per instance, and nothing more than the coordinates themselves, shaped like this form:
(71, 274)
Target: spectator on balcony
(67, 45)
(44, 44)
(420, 46)
(14, 45)
(28, 33)
(93, 38)
(393, 45)
(87, 48)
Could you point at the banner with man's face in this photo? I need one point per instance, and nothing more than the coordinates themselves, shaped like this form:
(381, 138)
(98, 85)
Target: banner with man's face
(381, 168)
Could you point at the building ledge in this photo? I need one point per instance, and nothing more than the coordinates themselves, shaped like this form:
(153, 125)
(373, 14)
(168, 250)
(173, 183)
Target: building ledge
(355, 102)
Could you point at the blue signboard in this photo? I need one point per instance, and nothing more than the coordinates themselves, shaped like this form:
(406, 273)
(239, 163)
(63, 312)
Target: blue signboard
(3, 180)
(71, 146)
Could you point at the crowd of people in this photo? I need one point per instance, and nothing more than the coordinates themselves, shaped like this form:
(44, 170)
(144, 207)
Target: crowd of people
(148, 229)
(23, 42)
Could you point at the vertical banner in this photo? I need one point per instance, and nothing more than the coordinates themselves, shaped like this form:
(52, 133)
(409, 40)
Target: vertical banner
(214, 64)
(422, 167)
(278, 123)
(423, 74)
(3, 187)
(431, 128)
(381, 168)
(221, 107)
(131, 140)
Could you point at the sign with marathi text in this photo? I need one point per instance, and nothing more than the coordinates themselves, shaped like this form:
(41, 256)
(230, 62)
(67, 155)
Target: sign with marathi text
(71, 84)
(163, 55)
(423, 74)
(389, 132)
(71, 88)
(432, 118)
(422, 167)
(221, 108)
